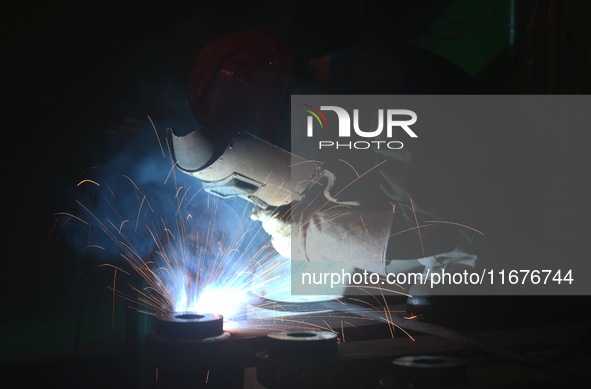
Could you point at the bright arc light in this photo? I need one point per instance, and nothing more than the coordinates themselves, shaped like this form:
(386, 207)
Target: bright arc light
(221, 300)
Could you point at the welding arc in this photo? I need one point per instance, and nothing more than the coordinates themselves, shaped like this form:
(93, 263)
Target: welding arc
(442, 332)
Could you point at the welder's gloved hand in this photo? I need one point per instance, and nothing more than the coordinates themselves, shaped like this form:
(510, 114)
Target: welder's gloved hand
(277, 223)
(325, 231)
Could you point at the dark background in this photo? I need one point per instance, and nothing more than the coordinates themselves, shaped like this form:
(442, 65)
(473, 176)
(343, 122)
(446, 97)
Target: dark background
(78, 81)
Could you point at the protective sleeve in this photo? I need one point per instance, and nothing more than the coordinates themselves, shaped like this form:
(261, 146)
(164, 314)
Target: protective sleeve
(342, 233)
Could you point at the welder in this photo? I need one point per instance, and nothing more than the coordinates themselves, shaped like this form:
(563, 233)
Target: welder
(240, 87)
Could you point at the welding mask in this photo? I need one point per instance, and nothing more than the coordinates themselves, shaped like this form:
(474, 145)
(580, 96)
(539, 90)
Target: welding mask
(248, 167)
(238, 87)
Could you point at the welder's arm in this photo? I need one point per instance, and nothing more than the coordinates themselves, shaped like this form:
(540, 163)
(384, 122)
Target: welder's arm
(329, 233)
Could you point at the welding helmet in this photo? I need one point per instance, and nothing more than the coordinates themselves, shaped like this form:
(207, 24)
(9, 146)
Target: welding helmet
(238, 86)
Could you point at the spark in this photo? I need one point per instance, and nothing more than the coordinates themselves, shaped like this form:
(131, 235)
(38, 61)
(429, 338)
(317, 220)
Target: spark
(415, 228)
(351, 166)
(117, 268)
(90, 181)
(181, 249)
(94, 246)
(72, 216)
(122, 224)
(414, 212)
(156, 133)
(455, 224)
(191, 267)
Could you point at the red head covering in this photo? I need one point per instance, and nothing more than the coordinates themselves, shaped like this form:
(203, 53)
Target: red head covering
(239, 81)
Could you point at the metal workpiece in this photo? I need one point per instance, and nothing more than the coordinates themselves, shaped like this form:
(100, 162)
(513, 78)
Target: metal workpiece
(302, 344)
(288, 352)
(190, 325)
(300, 359)
(426, 371)
(185, 350)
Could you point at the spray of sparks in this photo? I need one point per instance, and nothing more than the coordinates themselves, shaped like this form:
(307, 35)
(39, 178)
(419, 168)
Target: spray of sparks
(189, 250)
(185, 250)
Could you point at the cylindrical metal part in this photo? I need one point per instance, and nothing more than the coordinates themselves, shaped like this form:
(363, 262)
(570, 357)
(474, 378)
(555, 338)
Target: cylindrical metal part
(185, 350)
(302, 344)
(190, 325)
(300, 359)
(426, 371)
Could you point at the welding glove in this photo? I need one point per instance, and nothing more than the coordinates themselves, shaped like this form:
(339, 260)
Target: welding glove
(278, 225)
(320, 228)
(338, 234)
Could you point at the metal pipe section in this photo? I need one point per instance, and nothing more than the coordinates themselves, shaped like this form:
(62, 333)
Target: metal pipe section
(180, 352)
